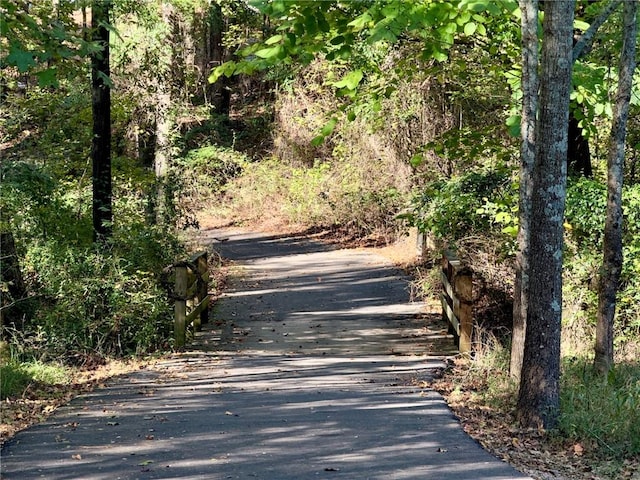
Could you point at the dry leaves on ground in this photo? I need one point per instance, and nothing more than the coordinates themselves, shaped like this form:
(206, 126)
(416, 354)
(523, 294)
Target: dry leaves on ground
(533, 452)
(39, 401)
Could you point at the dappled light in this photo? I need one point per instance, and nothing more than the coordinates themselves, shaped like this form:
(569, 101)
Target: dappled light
(312, 365)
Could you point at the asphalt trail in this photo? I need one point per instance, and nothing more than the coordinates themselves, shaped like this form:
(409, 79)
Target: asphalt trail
(310, 368)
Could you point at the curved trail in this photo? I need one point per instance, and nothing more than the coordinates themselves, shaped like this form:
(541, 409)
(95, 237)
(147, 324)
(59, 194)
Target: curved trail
(309, 369)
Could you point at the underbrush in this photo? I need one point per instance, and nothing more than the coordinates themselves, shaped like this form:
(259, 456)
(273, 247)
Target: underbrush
(599, 430)
(602, 413)
(326, 194)
(16, 377)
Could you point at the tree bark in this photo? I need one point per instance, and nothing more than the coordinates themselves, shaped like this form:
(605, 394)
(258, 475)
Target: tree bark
(12, 287)
(612, 243)
(538, 399)
(101, 106)
(579, 153)
(529, 9)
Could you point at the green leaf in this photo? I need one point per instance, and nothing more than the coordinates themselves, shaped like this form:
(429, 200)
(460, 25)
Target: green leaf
(350, 81)
(269, 52)
(48, 77)
(329, 127)
(317, 141)
(580, 25)
(23, 59)
(274, 39)
(513, 124)
(416, 160)
(470, 28)
(323, 25)
(360, 22)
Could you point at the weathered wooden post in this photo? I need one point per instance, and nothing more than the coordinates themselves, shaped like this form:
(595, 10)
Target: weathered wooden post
(180, 308)
(457, 300)
(463, 286)
(203, 288)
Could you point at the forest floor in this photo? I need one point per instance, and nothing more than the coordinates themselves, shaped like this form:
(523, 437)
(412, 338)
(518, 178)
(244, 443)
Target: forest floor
(536, 453)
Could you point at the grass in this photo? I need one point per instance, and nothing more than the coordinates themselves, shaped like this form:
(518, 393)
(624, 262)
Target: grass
(16, 377)
(32, 390)
(599, 432)
(602, 412)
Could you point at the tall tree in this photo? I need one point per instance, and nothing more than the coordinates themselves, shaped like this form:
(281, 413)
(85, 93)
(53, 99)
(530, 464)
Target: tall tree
(101, 107)
(538, 399)
(612, 242)
(529, 10)
(582, 45)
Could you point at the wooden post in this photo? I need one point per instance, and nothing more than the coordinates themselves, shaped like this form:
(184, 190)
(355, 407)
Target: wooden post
(463, 286)
(203, 290)
(179, 328)
(457, 300)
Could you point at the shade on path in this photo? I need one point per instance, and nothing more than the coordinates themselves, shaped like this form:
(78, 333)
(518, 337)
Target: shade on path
(311, 368)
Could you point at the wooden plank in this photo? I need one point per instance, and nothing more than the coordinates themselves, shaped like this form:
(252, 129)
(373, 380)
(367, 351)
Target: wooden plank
(204, 304)
(464, 289)
(180, 307)
(447, 287)
(448, 312)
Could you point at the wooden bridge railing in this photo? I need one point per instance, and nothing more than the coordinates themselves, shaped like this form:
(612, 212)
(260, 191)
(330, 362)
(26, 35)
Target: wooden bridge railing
(457, 299)
(190, 291)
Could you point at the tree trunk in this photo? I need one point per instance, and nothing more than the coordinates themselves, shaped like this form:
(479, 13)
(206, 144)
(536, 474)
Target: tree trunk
(538, 399)
(612, 243)
(529, 10)
(219, 92)
(579, 153)
(12, 287)
(101, 105)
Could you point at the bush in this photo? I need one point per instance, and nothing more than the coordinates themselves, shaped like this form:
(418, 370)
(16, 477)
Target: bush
(456, 208)
(97, 302)
(585, 214)
(204, 173)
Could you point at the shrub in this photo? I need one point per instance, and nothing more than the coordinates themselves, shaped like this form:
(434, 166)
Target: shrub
(97, 302)
(455, 208)
(586, 213)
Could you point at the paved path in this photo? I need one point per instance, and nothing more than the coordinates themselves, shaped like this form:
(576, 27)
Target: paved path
(309, 369)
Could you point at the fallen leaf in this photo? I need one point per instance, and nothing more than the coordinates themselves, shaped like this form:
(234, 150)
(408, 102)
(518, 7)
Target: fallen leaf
(578, 450)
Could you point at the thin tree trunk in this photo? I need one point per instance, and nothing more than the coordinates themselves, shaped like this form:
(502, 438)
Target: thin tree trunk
(219, 92)
(612, 243)
(538, 399)
(11, 278)
(162, 125)
(529, 10)
(101, 103)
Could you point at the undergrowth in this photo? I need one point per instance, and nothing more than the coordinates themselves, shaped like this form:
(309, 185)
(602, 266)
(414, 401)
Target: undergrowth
(599, 430)
(16, 377)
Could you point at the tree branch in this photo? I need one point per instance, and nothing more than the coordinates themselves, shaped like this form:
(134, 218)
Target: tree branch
(585, 41)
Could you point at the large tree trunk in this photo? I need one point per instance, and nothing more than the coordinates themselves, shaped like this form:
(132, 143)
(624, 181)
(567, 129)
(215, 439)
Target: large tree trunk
(538, 399)
(612, 243)
(101, 104)
(529, 10)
